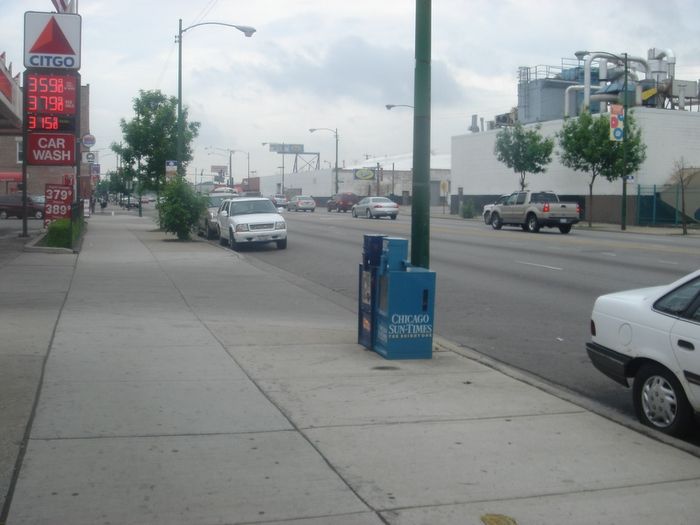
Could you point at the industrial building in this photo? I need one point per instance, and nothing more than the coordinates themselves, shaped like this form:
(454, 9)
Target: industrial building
(665, 109)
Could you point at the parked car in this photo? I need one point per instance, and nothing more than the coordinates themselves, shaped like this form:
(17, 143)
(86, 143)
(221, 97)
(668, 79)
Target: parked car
(375, 207)
(301, 203)
(342, 202)
(652, 336)
(280, 201)
(11, 206)
(488, 208)
(206, 225)
(249, 220)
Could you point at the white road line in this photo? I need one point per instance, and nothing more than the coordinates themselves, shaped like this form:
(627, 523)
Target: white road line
(672, 263)
(540, 266)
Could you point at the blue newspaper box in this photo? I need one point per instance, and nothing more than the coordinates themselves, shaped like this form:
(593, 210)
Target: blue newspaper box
(367, 294)
(405, 305)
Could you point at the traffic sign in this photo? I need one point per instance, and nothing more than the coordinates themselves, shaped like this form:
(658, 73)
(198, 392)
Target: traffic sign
(52, 40)
(50, 149)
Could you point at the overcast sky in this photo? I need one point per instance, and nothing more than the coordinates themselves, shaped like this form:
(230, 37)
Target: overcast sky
(335, 64)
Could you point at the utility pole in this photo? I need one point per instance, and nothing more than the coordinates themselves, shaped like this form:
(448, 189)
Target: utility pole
(420, 209)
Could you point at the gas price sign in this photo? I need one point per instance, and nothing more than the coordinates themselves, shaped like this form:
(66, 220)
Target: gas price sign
(52, 93)
(51, 101)
(58, 202)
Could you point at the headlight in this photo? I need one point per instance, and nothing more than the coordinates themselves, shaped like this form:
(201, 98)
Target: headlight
(280, 225)
(242, 228)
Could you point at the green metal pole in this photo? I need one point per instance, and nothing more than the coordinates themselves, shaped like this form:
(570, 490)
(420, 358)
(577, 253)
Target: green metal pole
(623, 221)
(180, 121)
(420, 209)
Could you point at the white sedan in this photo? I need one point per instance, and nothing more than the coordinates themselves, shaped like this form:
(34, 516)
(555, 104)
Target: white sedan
(652, 336)
(375, 207)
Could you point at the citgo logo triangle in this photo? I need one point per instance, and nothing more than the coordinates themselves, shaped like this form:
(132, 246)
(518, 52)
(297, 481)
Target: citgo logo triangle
(52, 41)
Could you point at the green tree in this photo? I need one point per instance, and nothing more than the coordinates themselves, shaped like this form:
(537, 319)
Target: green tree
(586, 147)
(150, 138)
(180, 208)
(524, 151)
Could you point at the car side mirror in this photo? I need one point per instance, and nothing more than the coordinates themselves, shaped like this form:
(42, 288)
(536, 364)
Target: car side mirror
(224, 213)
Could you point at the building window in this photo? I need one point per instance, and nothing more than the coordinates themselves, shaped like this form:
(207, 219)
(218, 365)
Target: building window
(20, 152)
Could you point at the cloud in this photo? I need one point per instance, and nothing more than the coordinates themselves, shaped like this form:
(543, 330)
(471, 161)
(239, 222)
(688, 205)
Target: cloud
(352, 68)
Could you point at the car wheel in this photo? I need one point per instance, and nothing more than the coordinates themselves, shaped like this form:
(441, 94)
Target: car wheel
(533, 225)
(39, 214)
(282, 245)
(354, 213)
(660, 402)
(393, 217)
(211, 234)
(232, 240)
(368, 214)
(496, 222)
(565, 228)
(487, 217)
(3, 214)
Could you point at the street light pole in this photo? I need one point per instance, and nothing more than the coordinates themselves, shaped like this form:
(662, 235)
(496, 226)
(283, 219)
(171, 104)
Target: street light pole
(246, 30)
(335, 132)
(420, 209)
(623, 219)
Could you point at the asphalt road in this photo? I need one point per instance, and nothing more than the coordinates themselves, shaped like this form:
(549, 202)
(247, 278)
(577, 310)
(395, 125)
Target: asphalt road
(523, 299)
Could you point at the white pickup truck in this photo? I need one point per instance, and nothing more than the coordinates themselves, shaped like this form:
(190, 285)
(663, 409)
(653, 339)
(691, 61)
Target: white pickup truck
(531, 210)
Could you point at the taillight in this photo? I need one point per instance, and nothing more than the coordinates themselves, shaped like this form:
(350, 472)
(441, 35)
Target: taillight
(593, 328)
(578, 209)
(545, 207)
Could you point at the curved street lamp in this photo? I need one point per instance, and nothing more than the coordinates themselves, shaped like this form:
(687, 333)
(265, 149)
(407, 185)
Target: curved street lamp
(624, 59)
(246, 30)
(335, 132)
(389, 107)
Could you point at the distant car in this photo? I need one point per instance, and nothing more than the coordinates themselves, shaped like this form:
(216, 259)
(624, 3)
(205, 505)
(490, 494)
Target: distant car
(11, 206)
(301, 203)
(224, 189)
(129, 202)
(250, 220)
(652, 336)
(279, 201)
(206, 225)
(342, 202)
(488, 208)
(375, 207)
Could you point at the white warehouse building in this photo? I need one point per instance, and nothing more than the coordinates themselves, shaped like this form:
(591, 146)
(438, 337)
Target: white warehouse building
(660, 103)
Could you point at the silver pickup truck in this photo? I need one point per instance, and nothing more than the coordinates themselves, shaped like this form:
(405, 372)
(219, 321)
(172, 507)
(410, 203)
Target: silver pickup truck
(531, 210)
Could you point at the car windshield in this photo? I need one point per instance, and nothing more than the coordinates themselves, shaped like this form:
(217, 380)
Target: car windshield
(246, 207)
(216, 200)
(676, 302)
(544, 196)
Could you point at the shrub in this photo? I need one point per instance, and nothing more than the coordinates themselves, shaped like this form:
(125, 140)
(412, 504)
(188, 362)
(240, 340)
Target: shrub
(180, 208)
(468, 209)
(59, 234)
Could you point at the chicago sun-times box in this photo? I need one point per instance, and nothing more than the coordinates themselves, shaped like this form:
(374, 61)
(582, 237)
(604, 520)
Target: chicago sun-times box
(405, 308)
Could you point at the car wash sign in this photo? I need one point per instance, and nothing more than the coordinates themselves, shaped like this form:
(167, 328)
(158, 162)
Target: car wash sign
(50, 149)
(52, 40)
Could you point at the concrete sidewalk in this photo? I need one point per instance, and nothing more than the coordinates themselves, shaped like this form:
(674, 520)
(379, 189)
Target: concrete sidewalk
(185, 385)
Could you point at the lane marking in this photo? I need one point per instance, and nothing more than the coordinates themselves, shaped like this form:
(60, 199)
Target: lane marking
(540, 266)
